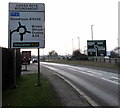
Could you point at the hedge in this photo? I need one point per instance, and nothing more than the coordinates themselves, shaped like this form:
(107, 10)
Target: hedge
(8, 67)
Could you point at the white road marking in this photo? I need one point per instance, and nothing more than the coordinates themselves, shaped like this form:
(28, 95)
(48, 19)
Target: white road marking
(55, 69)
(115, 77)
(87, 73)
(110, 81)
(81, 71)
(95, 72)
(91, 73)
(72, 69)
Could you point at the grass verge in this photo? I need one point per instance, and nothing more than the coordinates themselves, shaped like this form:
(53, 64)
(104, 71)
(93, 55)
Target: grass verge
(87, 63)
(27, 94)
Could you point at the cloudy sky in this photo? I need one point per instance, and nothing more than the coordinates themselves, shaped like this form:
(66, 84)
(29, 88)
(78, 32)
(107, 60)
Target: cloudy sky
(66, 20)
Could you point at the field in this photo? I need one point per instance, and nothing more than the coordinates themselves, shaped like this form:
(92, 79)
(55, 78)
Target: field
(86, 63)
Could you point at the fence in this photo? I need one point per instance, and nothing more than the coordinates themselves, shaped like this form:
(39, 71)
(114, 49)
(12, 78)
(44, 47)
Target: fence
(106, 60)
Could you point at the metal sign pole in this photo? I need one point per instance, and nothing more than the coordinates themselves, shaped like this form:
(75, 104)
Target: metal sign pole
(26, 66)
(38, 67)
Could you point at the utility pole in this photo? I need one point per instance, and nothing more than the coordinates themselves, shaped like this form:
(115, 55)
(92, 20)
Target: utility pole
(78, 43)
(92, 31)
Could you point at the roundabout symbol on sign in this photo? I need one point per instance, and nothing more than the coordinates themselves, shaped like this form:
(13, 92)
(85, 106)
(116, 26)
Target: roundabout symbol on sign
(21, 29)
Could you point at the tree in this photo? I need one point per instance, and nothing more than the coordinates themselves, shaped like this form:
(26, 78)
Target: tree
(78, 56)
(53, 53)
(113, 54)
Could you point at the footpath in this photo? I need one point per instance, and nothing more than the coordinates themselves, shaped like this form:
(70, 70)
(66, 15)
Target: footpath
(67, 94)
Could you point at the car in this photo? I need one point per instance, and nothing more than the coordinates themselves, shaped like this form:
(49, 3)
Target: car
(35, 61)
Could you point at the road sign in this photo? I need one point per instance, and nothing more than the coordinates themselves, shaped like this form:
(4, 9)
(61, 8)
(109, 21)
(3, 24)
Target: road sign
(26, 25)
(96, 47)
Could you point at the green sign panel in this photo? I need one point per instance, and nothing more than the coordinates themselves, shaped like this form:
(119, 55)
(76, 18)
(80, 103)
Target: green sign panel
(96, 47)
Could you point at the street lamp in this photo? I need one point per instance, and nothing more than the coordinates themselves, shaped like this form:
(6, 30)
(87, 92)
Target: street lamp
(78, 43)
(92, 31)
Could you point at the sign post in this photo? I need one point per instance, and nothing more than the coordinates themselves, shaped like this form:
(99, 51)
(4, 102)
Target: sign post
(27, 27)
(38, 68)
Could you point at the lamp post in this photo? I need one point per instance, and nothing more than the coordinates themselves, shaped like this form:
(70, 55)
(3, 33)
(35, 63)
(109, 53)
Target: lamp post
(78, 43)
(72, 46)
(92, 31)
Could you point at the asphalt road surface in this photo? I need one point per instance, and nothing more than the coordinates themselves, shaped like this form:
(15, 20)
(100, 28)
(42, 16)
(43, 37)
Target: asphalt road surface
(101, 86)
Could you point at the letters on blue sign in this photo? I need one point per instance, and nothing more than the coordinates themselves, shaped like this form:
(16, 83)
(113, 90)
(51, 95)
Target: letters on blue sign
(15, 14)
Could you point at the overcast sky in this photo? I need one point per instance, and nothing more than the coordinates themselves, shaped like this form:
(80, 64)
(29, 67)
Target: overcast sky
(66, 20)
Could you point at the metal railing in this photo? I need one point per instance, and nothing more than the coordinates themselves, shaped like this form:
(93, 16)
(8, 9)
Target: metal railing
(106, 60)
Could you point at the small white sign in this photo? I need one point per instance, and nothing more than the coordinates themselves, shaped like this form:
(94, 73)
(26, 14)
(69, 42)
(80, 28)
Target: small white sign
(26, 25)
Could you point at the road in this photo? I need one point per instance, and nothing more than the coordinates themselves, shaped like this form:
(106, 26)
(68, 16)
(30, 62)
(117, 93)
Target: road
(100, 86)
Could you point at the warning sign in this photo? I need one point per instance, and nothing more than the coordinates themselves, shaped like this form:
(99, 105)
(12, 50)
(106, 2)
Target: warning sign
(26, 25)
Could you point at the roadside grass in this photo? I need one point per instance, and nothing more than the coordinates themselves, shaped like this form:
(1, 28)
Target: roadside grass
(87, 63)
(27, 94)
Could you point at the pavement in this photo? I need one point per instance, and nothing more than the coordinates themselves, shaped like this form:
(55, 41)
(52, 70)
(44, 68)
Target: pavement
(68, 96)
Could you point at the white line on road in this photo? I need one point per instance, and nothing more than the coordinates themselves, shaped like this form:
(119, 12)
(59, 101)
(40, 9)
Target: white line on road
(110, 81)
(115, 77)
(87, 73)
(72, 69)
(55, 69)
(95, 72)
(81, 71)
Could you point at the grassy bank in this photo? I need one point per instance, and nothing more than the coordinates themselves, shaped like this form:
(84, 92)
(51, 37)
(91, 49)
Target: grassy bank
(87, 63)
(27, 94)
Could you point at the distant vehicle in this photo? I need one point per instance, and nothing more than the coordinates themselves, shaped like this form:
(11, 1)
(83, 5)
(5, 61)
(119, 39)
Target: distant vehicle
(35, 61)
(106, 57)
(26, 57)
